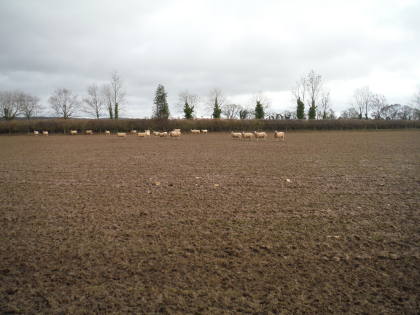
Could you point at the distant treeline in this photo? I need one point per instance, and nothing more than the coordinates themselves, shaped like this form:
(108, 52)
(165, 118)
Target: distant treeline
(61, 126)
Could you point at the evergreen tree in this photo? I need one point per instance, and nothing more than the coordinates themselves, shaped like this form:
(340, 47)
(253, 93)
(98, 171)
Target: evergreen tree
(217, 111)
(259, 111)
(161, 104)
(312, 111)
(188, 111)
(300, 110)
(117, 112)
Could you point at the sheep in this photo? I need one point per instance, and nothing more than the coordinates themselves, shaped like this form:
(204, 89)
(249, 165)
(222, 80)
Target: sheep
(195, 131)
(247, 135)
(156, 133)
(176, 134)
(147, 132)
(141, 134)
(133, 132)
(45, 133)
(163, 134)
(279, 134)
(121, 134)
(260, 135)
(177, 130)
(36, 132)
(107, 132)
(236, 135)
(204, 131)
(73, 132)
(89, 132)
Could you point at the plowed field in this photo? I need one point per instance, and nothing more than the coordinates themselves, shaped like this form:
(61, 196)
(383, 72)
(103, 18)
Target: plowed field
(325, 222)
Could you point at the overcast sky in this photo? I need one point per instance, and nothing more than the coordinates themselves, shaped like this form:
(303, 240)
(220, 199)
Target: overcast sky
(242, 47)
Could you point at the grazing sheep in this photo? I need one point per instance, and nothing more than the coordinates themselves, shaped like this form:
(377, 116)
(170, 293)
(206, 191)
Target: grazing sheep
(260, 135)
(142, 134)
(176, 134)
(147, 132)
(163, 134)
(89, 132)
(236, 135)
(133, 132)
(73, 132)
(195, 131)
(45, 133)
(279, 134)
(247, 135)
(204, 131)
(36, 132)
(107, 132)
(156, 133)
(121, 134)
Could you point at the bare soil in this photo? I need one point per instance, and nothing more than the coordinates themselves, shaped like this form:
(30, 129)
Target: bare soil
(325, 222)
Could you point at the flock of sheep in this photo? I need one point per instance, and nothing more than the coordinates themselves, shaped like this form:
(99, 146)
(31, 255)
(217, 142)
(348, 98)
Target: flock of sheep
(176, 133)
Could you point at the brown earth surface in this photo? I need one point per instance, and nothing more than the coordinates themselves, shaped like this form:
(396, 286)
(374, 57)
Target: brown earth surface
(325, 222)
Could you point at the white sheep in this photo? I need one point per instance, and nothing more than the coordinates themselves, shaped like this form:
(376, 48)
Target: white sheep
(107, 132)
(247, 135)
(45, 133)
(89, 132)
(177, 130)
(156, 133)
(279, 134)
(121, 134)
(163, 134)
(36, 132)
(260, 135)
(236, 135)
(142, 134)
(195, 131)
(204, 131)
(73, 132)
(133, 132)
(147, 132)
(175, 134)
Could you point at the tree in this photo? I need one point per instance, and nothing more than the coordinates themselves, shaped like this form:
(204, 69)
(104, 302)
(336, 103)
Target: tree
(30, 106)
(93, 102)
(312, 111)
(216, 102)
(259, 111)
(188, 102)
(363, 101)
(117, 94)
(378, 102)
(308, 88)
(231, 111)
(350, 113)
(10, 104)
(161, 105)
(107, 97)
(324, 105)
(244, 113)
(64, 103)
(300, 109)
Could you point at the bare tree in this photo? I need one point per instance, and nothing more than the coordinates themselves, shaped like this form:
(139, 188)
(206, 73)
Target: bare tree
(313, 87)
(378, 102)
(244, 112)
(117, 94)
(30, 106)
(324, 105)
(10, 104)
(350, 113)
(231, 111)
(300, 91)
(64, 103)
(93, 103)
(106, 95)
(363, 101)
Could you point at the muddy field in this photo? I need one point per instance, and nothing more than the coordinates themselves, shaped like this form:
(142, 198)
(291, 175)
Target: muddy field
(325, 222)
